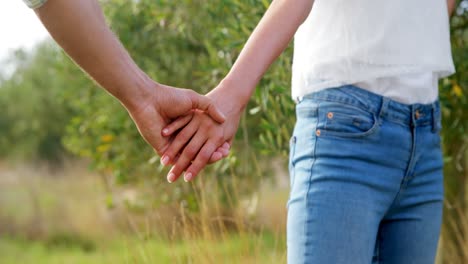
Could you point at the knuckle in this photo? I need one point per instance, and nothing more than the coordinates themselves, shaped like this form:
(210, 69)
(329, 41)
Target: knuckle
(218, 140)
(185, 135)
(191, 151)
(193, 96)
(191, 93)
(171, 152)
(209, 126)
(204, 156)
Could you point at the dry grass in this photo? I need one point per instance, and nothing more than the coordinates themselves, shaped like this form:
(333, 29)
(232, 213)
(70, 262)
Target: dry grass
(37, 201)
(454, 233)
(69, 206)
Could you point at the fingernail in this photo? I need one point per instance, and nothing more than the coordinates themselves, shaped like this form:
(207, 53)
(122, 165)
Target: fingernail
(164, 160)
(188, 177)
(165, 131)
(171, 177)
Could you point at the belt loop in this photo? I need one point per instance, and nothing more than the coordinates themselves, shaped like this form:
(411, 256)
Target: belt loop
(298, 99)
(383, 107)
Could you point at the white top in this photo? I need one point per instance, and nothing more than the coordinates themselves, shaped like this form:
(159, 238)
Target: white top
(396, 48)
(409, 88)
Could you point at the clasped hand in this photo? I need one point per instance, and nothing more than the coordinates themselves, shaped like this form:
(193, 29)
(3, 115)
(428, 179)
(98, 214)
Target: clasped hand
(197, 139)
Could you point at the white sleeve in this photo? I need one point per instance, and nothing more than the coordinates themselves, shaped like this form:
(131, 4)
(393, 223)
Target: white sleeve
(34, 3)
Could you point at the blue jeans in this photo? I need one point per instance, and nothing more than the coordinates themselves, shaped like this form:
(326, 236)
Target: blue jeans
(366, 180)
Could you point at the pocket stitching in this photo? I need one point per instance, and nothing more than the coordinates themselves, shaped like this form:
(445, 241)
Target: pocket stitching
(374, 127)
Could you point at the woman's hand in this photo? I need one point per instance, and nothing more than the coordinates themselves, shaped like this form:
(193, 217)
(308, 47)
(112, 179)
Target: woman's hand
(200, 137)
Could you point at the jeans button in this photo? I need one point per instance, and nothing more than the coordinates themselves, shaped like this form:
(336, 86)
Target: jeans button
(417, 115)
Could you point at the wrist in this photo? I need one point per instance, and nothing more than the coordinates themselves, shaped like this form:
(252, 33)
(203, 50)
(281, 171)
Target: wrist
(235, 93)
(140, 94)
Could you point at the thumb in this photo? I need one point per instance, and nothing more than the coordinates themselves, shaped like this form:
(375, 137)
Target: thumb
(205, 104)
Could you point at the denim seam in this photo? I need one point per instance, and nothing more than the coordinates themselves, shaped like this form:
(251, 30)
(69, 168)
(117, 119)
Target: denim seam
(406, 176)
(412, 161)
(410, 173)
(292, 169)
(341, 98)
(379, 247)
(306, 222)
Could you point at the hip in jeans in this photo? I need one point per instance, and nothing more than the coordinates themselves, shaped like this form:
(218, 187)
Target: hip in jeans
(366, 180)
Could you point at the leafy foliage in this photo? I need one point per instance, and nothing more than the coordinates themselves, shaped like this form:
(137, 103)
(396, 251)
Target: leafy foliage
(49, 105)
(34, 112)
(454, 96)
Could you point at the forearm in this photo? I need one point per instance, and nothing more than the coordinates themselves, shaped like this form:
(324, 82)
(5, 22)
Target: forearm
(451, 5)
(80, 29)
(271, 36)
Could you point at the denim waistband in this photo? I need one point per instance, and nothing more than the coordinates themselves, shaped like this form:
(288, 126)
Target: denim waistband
(411, 115)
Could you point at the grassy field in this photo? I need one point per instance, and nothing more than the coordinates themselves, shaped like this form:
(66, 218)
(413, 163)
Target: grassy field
(265, 248)
(63, 217)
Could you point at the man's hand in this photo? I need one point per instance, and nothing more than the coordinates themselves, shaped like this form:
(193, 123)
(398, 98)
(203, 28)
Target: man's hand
(164, 104)
(202, 139)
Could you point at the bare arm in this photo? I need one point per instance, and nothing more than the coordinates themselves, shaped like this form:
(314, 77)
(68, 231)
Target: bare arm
(80, 29)
(269, 39)
(451, 5)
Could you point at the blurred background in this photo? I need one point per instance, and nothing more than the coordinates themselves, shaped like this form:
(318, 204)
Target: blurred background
(79, 185)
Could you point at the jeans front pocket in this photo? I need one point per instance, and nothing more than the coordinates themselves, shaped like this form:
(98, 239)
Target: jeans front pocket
(302, 145)
(343, 120)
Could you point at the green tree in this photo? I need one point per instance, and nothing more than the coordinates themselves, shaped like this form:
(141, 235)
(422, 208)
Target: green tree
(49, 105)
(34, 112)
(454, 96)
